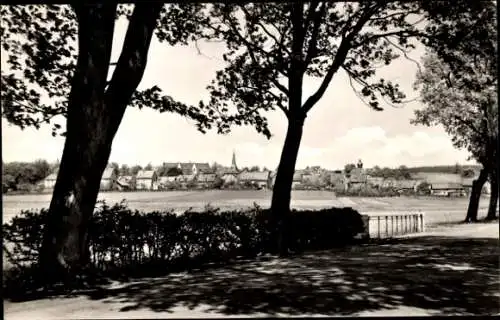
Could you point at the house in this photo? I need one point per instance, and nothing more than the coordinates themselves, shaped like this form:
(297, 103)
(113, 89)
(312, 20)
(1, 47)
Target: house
(164, 181)
(297, 178)
(467, 185)
(313, 169)
(406, 186)
(125, 183)
(356, 179)
(376, 182)
(200, 168)
(189, 168)
(228, 175)
(108, 180)
(447, 189)
(187, 177)
(206, 179)
(146, 180)
(50, 181)
(296, 182)
(337, 180)
(259, 179)
(312, 178)
(389, 183)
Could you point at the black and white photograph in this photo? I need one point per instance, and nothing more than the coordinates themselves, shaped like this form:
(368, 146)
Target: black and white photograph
(249, 159)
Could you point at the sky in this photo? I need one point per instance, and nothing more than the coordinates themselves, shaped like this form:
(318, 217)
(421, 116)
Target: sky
(340, 129)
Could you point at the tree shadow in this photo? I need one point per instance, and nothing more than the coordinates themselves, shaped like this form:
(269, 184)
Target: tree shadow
(443, 275)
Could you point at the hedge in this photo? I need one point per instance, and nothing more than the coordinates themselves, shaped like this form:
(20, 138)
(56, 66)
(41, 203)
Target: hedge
(121, 238)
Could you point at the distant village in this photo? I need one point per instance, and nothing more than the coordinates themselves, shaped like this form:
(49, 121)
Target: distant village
(351, 181)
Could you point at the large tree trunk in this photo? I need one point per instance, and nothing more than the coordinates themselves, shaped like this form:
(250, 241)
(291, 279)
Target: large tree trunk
(477, 187)
(93, 117)
(280, 203)
(492, 208)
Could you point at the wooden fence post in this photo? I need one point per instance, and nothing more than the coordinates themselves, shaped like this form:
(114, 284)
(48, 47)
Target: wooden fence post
(378, 227)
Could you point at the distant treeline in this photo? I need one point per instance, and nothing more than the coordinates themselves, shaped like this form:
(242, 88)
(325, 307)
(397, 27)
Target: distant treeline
(404, 172)
(22, 176)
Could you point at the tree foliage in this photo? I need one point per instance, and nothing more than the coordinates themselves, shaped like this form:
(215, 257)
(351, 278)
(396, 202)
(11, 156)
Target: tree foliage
(17, 173)
(469, 114)
(458, 83)
(41, 49)
(355, 37)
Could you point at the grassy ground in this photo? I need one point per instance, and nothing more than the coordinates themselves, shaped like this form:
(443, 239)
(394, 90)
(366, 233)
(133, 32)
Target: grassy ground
(449, 271)
(437, 209)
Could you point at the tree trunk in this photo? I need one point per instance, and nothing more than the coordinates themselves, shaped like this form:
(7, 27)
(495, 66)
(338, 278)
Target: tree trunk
(280, 203)
(477, 187)
(492, 208)
(93, 117)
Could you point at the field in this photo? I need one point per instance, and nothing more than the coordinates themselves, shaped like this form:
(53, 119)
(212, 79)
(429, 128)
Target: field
(437, 210)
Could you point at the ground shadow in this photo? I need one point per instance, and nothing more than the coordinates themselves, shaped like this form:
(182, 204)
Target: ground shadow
(445, 275)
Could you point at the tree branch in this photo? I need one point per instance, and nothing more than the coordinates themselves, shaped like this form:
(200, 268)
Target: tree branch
(132, 62)
(279, 43)
(279, 104)
(340, 56)
(402, 33)
(312, 49)
(254, 59)
(405, 54)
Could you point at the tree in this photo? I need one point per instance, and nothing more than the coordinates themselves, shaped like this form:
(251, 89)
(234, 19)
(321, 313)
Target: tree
(218, 183)
(148, 167)
(254, 169)
(403, 172)
(124, 170)
(458, 88)
(42, 168)
(135, 169)
(348, 167)
(273, 46)
(173, 172)
(115, 166)
(40, 43)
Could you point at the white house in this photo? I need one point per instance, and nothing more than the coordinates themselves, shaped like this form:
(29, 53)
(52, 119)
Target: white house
(108, 179)
(50, 181)
(147, 180)
(260, 179)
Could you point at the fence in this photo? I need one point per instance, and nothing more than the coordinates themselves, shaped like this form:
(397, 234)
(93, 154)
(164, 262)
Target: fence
(387, 225)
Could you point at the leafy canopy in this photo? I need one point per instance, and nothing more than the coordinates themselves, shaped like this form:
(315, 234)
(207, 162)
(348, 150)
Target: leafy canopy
(264, 54)
(458, 87)
(39, 44)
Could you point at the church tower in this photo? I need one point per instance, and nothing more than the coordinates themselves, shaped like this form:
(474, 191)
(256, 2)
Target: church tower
(233, 162)
(360, 164)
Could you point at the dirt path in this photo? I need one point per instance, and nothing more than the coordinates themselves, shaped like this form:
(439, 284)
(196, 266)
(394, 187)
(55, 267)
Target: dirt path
(445, 271)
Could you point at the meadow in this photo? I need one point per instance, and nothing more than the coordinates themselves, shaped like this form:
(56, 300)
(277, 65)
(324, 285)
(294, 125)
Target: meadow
(437, 210)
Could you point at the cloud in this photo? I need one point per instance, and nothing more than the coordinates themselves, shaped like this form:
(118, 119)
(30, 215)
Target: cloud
(375, 147)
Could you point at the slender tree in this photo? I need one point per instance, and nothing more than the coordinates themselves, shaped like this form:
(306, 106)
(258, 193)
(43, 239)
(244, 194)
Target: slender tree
(458, 88)
(272, 47)
(468, 115)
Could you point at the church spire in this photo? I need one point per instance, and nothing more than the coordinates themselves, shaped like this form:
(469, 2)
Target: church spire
(233, 163)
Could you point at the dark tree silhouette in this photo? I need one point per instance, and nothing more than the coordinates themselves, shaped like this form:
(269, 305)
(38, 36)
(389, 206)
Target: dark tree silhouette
(40, 42)
(458, 87)
(271, 47)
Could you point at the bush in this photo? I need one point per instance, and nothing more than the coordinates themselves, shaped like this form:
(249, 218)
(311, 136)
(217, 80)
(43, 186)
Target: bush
(121, 238)
(368, 191)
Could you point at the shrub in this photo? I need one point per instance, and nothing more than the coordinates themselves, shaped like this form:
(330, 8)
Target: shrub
(121, 238)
